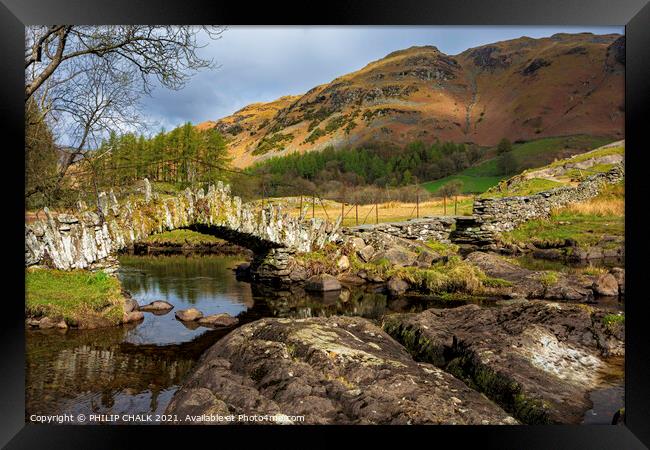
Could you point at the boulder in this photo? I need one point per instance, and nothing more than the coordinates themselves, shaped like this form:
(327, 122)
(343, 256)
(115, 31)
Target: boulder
(396, 286)
(343, 263)
(322, 282)
(46, 323)
(157, 305)
(298, 273)
(350, 279)
(133, 316)
(536, 359)
(397, 256)
(336, 370)
(130, 305)
(606, 285)
(425, 258)
(219, 320)
(619, 274)
(366, 253)
(188, 315)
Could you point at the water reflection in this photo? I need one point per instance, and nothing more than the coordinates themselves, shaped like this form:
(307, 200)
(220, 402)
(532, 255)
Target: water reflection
(137, 368)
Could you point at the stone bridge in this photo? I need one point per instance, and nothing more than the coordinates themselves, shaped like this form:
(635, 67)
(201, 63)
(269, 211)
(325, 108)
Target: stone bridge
(84, 239)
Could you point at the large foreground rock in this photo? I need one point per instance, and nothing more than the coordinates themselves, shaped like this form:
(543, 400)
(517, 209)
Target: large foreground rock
(538, 360)
(337, 370)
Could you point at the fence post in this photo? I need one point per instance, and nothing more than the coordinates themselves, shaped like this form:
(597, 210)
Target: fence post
(300, 203)
(444, 204)
(455, 205)
(356, 209)
(342, 211)
(376, 213)
(417, 205)
(313, 206)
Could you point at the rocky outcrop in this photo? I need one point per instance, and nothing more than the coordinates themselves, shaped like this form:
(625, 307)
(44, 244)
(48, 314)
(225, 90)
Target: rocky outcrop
(339, 370)
(532, 283)
(78, 241)
(537, 360)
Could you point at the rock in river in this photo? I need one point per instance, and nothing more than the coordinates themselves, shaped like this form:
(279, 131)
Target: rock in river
(606, 285)
(538, 360)
(156, 306)
(336, 370)
(322, 282)
(219, 320)
(188, 315)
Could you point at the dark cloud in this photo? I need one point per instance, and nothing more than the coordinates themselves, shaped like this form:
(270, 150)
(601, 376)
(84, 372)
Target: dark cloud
(258, 64)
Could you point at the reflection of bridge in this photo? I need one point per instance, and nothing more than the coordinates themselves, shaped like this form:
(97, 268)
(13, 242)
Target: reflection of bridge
(77, 241)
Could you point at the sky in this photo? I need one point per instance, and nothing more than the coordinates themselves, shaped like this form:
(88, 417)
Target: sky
(260, 64)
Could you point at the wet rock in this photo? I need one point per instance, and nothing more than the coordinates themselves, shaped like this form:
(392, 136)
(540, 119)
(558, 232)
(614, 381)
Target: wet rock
(366, 253)
(46, 323)
(322, 282)
(606, 285)
(619, 274)
(188, 315)
(336, 370)
(219, 320)
(536, 359)
(157, 305)
(343, 263)
(242, 271)
(130, 305)
(396, 286)
(133, 316)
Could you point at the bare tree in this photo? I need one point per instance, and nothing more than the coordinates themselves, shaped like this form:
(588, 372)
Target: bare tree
(88, 80)
(168, 53)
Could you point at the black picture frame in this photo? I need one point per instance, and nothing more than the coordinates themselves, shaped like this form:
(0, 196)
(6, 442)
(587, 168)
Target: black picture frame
(633, 14)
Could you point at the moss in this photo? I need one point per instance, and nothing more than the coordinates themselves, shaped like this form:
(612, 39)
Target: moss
(495, 282)
(74, 296)
(548, 278)
(527, 187)
(182, 236)
(442, 248)
(613, 321)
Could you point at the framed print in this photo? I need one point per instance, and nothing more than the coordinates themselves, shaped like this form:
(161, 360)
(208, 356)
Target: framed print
(371, 219)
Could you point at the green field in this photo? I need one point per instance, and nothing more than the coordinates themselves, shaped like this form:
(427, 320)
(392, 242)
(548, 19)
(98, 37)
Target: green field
(530, 154)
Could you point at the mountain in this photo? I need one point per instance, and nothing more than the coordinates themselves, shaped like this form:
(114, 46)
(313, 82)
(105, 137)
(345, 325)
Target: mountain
(522, 89)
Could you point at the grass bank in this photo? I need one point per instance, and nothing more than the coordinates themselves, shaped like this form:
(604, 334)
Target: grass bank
(585, 222)
(83, 299)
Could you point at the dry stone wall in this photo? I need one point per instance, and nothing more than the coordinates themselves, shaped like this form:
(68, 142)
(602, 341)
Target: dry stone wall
(495, 215)
(436, 228)
(86, 239)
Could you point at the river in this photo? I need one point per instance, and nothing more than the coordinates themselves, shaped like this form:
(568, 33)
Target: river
(136, 368)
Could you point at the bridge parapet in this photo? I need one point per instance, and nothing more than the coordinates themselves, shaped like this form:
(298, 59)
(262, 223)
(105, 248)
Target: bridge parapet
(67, 241)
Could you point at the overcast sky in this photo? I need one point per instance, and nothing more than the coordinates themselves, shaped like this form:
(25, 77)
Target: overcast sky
(260, 64)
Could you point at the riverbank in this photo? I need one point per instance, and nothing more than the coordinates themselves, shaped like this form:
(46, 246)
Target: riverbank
(80, 299)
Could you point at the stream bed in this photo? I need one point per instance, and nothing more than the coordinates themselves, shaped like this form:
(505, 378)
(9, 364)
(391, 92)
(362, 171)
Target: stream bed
(136, 368)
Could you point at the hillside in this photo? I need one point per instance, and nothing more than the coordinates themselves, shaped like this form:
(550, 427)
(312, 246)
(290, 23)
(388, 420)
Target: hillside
(522, 89)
